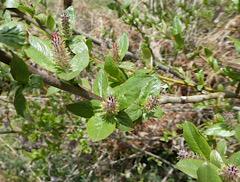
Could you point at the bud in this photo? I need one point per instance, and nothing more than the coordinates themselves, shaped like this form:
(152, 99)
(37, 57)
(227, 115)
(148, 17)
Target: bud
(110, 106)
(61, 52)
(56, 40)
(231, 173)
(66, 30)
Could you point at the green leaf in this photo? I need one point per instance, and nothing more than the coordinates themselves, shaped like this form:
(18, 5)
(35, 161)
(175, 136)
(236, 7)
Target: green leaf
(127, 65)
(195, 140)
(233, 74)
(72, 16)
(52, 90)
(146, 55)
(125, 123)
(123, 45)
(152, 88)
(20, 102)
(158, 112)
(234, 159)
(137, 89)
(40, 53)
(208, 52)
(36, 81)
(178, 26)
(237, 133)
(99, 128)
(41, 18)
(41, 46)
(219, 130)
(50, 22)
(89, 44)
(134, 111)
(79, 62)
(19, 70)
(189, 166)
(86, 108)
(26, 9)
(208, 173)
(12, 34)
(100, 85)
(216, 159)
(222, 147)
(112, 69)
(179, 41)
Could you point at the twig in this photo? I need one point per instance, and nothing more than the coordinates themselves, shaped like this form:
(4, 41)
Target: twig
(153, 155)
(168, 70)
(195, 98)
(180, 82)
(167, 176)
(133, 156)
(9, 132)
(52, 80)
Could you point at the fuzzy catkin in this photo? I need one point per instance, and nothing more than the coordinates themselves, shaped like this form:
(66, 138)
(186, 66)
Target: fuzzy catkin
(61, 53)
(66, 29)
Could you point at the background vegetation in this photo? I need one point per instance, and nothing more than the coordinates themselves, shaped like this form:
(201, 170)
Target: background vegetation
(120, 90)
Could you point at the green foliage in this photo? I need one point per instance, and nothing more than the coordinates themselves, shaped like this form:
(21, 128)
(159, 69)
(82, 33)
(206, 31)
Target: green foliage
(123, 45)
(50, 22)
(81, 59)
(196, 140)
(20, 102)
(12, 34)
(40, 52)
(190, 166)
(146, 55)
(19, 70)
(216, 159)
(208, 172)
(99, 127)
(54, 140)
(100, 85)
(210, 168)
(234, 159)
(113, 70)
(84, 109)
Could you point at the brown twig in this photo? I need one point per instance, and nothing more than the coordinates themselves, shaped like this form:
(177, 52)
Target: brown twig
(52, 80)
(196, 98)
(9, 132)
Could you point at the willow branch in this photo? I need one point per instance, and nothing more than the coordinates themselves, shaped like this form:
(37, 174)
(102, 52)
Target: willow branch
(52, 80)
(196, 98)
(98, 42)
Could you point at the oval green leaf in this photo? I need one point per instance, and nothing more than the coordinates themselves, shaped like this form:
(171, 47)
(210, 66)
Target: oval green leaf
(99, 128)
(19, 70)
(84, 108)
(195, 140)
(123, 45)
(100, 85)
(208, 173)
(189, 166)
